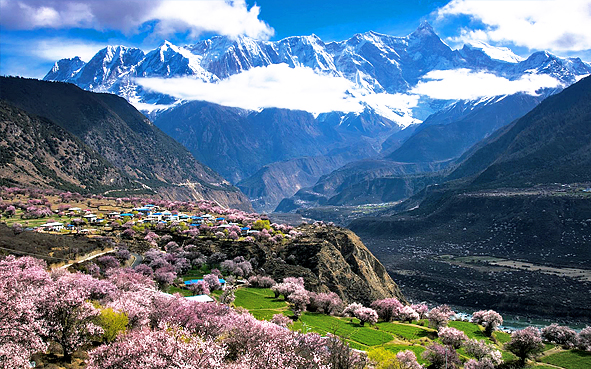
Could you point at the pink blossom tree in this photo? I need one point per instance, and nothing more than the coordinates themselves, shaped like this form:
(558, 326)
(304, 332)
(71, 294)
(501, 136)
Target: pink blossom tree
(366, 315)
(584, 339)
(22, 284)
(479, 364)
(560, 335)
(281, 320)
(298, 300)
(439, 316)
(483, 352)
(408, 360)
(421, 309)
(525, 343)
(351, 309)
(66, 314)
(452, 337)
(261, 281)
(407, 314)
(441, 356)
(288, 286)
(212, 281)
(199, 288)
(489, 319)
(387, 309)
(327, 303)
(166, 347)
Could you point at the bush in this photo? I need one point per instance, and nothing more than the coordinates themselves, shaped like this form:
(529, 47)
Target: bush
(112, 322)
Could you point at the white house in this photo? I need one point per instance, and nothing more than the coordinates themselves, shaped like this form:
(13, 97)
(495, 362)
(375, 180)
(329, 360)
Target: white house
(53, 226)
(200, 298)
(90, 218)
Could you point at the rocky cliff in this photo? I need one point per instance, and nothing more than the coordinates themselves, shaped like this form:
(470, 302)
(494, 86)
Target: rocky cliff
(328, 258)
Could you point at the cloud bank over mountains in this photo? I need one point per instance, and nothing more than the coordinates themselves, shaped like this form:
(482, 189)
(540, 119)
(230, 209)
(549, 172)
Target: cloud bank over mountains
(281, 86)
(464, 84)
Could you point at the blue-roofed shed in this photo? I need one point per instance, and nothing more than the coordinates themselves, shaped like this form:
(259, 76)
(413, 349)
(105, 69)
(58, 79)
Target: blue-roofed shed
(194, 281)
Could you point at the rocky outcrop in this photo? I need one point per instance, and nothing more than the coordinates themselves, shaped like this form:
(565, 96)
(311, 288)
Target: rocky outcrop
(328, 258)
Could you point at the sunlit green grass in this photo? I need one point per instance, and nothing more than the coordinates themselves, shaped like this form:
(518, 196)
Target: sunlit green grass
(409, 332)
(572, 359)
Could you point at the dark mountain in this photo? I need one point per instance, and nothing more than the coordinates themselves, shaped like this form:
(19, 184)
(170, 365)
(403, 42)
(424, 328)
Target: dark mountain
(369, 181)
(414, 154)
(273, 153)
(124, 137)
(551, 144)
(521, 195)
(37, 152)
(276, 181)
(438, 140)
(237, 143)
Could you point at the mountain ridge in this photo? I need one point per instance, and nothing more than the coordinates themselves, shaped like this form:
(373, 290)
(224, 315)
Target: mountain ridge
(115, 130)
(375, 62)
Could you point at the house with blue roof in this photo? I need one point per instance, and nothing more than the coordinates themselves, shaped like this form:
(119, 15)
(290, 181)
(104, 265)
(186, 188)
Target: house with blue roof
(195, 281)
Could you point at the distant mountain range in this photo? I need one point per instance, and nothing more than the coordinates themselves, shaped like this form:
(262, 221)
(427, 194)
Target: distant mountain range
(95, 142)
(375, 63)
(300, 149)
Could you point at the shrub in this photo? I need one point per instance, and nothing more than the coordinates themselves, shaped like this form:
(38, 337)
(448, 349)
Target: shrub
(112, 322)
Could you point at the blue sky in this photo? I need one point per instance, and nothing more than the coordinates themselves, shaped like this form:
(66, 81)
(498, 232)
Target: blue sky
(36, 33)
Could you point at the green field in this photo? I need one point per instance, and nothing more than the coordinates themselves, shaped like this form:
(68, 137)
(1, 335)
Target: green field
(572, 359)
(418, 350)
(406, 331)
(472, 330)
(393, 336)
(502, 337)
(258, 299)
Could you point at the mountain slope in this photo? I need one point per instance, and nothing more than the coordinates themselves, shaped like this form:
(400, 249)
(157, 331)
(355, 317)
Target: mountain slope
(38, 153)
(123, 136)
(433, 142)
(550, 144)
(413, 157)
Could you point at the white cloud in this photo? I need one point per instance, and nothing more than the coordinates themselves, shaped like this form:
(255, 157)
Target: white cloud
(280, 86)
(466, 84)
(557, 25)
(231, 18)
(58, 48)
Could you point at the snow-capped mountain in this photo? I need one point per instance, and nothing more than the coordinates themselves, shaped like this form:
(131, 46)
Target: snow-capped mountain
(375, 63)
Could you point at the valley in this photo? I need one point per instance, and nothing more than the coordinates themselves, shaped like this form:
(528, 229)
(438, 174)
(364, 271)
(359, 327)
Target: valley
(211, 191)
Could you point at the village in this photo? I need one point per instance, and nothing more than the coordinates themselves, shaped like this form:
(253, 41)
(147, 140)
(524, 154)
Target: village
(146, 215)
